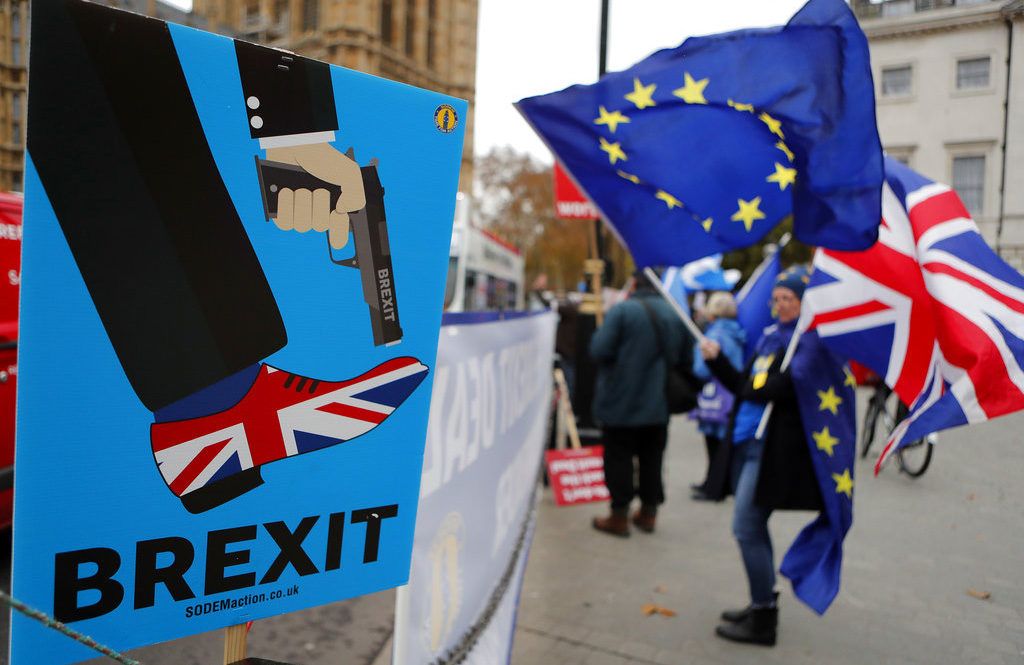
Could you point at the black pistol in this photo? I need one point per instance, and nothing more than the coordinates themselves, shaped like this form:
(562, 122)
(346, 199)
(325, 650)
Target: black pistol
(369, 230)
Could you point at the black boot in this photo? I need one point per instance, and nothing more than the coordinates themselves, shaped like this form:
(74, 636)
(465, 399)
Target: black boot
(758, 627)
(734, 616)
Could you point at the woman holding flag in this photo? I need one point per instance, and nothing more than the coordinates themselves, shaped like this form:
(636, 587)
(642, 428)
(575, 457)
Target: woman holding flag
(767, 472)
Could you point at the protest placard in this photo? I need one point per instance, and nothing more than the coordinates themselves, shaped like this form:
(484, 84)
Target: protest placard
(234, 267)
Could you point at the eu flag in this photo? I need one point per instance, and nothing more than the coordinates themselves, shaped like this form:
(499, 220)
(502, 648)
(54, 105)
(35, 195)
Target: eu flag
(705, 147)
(827, 409)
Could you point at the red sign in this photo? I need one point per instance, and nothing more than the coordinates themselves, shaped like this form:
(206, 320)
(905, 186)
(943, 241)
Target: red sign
(570, 203)
(577, 475)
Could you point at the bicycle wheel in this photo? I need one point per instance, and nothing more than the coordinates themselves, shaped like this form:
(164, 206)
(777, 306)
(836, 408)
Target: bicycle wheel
(914, 457)
(867, 432)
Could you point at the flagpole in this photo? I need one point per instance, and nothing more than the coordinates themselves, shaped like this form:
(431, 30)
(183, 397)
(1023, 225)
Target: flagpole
(759, 270)
(652, 277)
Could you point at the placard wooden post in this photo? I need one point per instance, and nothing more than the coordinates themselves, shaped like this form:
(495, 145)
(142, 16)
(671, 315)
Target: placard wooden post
(234, 643)
(565, 409)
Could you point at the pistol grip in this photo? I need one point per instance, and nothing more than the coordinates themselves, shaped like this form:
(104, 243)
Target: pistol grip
(275, 176)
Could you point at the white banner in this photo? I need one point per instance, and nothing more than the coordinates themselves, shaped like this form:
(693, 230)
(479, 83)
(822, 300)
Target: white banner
(486, 434)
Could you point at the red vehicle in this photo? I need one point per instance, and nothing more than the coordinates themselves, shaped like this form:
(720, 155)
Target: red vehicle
(10, 281)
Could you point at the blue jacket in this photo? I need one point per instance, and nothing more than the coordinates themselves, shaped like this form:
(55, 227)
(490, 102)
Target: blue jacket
(730, 334)
(630, 390)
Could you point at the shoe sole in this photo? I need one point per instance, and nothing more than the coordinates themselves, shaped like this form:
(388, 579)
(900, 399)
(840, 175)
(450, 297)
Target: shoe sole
(738, 640)
(620, 534)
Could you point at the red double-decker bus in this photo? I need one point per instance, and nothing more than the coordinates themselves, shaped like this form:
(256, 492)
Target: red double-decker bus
(10, 282)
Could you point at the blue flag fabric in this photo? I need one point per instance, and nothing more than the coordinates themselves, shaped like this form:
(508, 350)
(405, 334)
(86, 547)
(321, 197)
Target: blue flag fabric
(826, 397)
(753, 306)
(706, 147)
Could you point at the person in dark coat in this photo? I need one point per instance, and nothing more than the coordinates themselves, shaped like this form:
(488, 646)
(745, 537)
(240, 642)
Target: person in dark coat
(630, 404)
(773, 471)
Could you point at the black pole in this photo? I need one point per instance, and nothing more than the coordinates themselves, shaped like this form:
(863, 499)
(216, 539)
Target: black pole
(602, 69)
(602, 63)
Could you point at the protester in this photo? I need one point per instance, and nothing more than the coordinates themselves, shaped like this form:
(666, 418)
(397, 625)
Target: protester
(630, 404)
(723, 328)
(767, 473)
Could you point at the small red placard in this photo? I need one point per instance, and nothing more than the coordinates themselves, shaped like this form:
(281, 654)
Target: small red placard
(570, 203)
(577, 475)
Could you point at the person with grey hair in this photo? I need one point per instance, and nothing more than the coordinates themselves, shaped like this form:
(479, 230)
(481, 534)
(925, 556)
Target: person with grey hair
(715, 401)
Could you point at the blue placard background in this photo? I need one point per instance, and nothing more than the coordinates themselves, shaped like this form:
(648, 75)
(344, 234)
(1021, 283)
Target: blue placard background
(85, 471)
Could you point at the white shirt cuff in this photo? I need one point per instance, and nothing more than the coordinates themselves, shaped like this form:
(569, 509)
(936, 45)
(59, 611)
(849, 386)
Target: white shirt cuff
(296, 139)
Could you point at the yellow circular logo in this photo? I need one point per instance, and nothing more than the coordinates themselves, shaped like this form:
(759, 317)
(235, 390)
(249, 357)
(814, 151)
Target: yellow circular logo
(445, 118)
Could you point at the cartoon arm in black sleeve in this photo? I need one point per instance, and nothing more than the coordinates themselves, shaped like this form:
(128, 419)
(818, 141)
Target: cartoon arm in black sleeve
(289, 101)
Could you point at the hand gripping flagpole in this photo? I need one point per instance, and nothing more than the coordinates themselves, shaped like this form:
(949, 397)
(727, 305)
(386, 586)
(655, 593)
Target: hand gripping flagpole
(683, 316)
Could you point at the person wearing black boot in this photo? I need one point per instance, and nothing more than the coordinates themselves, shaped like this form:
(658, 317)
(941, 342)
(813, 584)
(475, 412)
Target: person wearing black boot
(773, 471)
(630, 404)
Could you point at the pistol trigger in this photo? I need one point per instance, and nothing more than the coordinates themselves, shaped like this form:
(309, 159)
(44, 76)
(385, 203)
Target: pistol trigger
(348, 263)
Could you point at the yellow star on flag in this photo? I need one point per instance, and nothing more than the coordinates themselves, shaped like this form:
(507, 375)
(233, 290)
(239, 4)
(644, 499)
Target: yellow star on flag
(829, 400)
(749, 108)
(629, 176)
(692, 91)
(612, 119)
(784, 148)
(774, 125)
(844, 483)
(825, 441)
(749, 212)
(783, 176)
(614, 150)
(642, 94)
(851, 380)
(707, 224)
(670, 201)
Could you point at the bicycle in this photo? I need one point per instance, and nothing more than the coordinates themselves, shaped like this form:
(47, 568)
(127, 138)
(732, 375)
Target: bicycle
(914, 457)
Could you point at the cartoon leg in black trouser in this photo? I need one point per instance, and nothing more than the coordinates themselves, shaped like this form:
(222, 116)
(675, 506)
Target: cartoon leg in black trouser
(121, 153)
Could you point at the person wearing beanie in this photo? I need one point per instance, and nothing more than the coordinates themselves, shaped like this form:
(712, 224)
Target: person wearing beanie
(766, 473)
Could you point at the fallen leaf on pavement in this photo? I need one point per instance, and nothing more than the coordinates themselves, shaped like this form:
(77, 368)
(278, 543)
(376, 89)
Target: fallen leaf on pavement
(980, 595)
(649, 609)
(665, 612)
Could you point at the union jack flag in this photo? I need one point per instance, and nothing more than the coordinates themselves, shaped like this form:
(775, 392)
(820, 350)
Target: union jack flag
(930, 308)
(282, 415)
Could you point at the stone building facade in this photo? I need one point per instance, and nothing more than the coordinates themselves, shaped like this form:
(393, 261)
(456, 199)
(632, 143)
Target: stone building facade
(426, 43)
(949, 89)
(13, 84)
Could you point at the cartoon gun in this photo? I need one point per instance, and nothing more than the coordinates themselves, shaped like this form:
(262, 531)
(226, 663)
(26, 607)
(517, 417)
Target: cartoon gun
(369, 230)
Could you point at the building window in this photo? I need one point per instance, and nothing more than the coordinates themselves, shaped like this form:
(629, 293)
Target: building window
(410, 27)
(16, 118)
(310, 15)
(431, 32)
(896, 81)
(972, 73)
(387, 33)
(16, 55)
(969, 181)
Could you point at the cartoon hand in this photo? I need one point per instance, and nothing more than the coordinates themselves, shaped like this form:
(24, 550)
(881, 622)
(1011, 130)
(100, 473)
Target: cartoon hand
(302, 209)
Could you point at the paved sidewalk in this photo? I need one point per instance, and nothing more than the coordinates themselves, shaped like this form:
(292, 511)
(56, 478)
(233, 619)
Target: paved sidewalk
(916, 548)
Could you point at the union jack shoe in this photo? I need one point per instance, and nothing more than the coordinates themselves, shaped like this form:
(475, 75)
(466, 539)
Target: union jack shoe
(210, 460)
